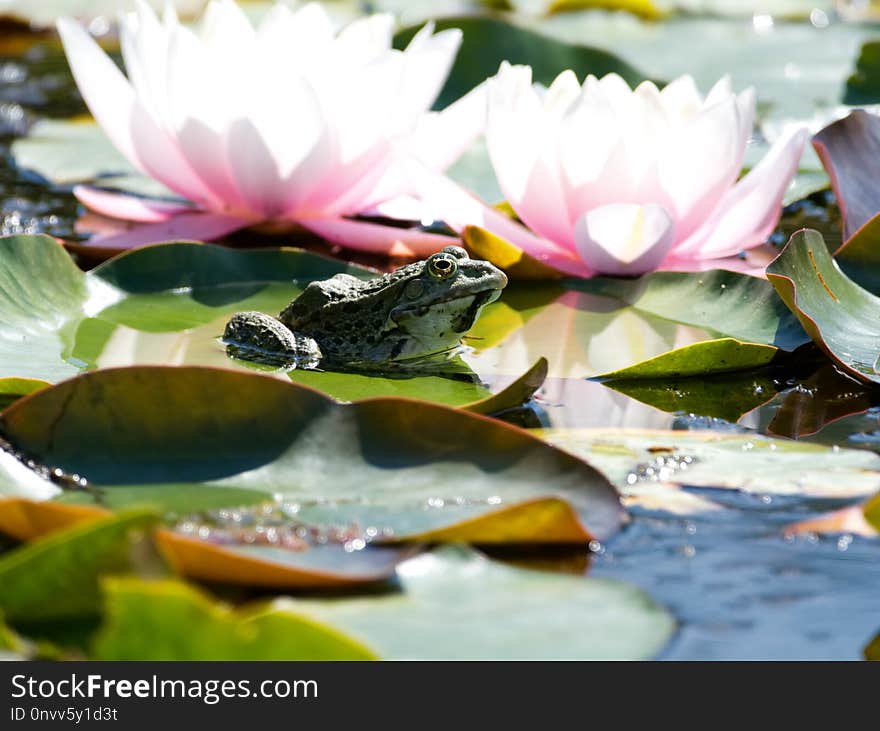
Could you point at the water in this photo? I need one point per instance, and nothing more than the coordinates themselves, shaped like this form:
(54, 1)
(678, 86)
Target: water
(740, 589)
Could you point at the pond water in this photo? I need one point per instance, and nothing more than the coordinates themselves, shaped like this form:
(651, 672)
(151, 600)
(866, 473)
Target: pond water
(739, 588)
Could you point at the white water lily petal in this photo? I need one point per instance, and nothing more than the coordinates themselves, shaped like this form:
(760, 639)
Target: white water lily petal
(624, 238)
(660, 165)
(750, 211)
(284, 121)
(681, 99)
(108, 94)
(440, 138)
(425, 70)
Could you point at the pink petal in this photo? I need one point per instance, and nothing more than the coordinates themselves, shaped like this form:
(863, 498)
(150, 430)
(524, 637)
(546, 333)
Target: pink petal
(750, 210)
(624, 238)
(185, 227)
(106, 91)
(128, 207)
(376, 238)
(448, 202)
(728, 263)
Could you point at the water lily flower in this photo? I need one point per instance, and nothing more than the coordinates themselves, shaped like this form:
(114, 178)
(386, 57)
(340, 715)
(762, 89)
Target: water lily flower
(288, 121)
(622, 181)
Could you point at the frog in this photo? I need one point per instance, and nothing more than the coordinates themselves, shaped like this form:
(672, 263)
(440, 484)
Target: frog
(412, 315)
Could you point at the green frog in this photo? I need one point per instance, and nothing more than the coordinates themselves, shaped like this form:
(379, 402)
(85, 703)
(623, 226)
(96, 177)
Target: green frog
(411, 315)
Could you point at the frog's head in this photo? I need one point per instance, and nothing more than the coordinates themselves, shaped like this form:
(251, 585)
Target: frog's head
(415, 311)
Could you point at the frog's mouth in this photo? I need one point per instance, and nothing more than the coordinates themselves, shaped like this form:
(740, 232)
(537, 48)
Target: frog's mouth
(464, 320)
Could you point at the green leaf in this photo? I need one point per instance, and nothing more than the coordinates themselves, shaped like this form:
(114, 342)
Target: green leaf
(700, 359)
(388, 468)
(168, 304)
(458, 605)
(840, 316)
(57, 577)
(729, 304)
(726, 396)
(863, 87)
(168, 620)
(647, 462)
(489, 40)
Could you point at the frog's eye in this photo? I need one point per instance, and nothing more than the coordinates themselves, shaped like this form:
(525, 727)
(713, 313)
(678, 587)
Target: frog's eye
(442, 265)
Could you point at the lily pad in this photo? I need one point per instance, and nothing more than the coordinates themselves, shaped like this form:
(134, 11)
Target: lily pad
(700, 359)
(817, 400)
(638, 459)
(167, 620)
(57, 577)
(840, 316)
(408, 470)
(456, 604)
(728, 396)
(168, 304)
(489, 40)
(848, 149)
(863, 87)
(729, 304)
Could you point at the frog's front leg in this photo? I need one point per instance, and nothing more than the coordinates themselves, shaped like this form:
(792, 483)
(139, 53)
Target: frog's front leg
(258, 337)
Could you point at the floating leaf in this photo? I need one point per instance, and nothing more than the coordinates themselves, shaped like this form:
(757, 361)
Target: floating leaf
(405, 470)
(729, 304)
(457, 605)
(840, 316)
(634, 459)
(489, 40)
(727, 396)
(167, 620)
(700, 359)
(57, 577)
(168, 304)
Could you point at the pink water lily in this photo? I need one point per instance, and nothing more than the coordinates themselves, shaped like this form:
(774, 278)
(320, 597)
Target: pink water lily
(288, 121)
(619, 181)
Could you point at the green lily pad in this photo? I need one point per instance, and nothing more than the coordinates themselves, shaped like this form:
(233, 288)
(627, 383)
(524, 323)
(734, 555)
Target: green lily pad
(57, 577)
(489, 40)
(407, 470)
(728, 396)
(168, 304)
(700, 359)
(729, 304)
(640, 460)
(863, 87)
(167, 620)
(456, 604)
(840, 316)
